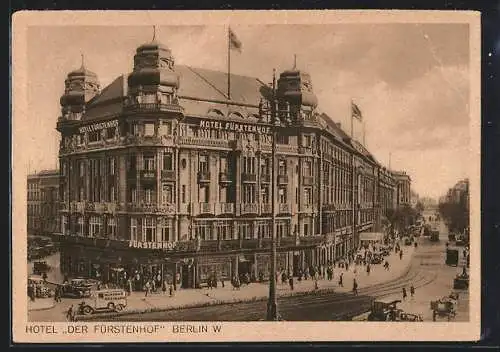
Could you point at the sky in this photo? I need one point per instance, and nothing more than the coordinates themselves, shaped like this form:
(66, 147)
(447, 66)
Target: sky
(411, 81)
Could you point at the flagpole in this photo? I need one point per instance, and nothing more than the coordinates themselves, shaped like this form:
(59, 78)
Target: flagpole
(229, 63)
(352, 121)
(364, 134)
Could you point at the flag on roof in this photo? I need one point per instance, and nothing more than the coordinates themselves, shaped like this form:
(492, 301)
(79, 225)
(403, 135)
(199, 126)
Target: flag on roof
(356, 112)
(234, 42)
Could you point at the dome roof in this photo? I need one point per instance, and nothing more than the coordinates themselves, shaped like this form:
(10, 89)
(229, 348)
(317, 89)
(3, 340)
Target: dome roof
(154, 46)
(82, 71)
(296, 87)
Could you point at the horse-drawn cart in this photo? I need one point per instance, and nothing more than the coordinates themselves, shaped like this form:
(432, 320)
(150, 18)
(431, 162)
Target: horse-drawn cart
(445, 307)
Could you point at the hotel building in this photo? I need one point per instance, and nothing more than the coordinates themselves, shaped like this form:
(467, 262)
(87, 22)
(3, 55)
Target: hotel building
(43, 202)
(162, 173)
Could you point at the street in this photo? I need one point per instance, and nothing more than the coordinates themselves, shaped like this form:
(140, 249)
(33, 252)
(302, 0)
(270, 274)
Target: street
(429, 275)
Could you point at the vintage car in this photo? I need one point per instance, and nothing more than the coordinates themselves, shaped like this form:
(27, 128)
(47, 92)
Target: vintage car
(452, 257)
(78, 288)
(461, 282)
(445, 307)
(383, 310)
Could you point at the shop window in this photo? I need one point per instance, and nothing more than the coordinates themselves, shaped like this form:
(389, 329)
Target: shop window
(148, 229)
(133, 229)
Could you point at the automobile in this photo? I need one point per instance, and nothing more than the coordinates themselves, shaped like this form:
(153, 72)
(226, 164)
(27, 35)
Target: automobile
(384, 310)
(114, 300)
(461, 282)
(452, 257)
(78, 288)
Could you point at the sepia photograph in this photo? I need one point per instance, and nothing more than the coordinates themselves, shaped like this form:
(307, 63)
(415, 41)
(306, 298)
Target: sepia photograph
(253, 175)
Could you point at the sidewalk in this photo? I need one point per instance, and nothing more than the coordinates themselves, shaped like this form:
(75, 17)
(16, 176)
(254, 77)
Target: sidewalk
(41, 304)
(138, 302)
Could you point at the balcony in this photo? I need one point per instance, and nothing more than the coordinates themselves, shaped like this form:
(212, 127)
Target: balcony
(148, 175)
(225, 177)
(282, 179)
(249, 208)
(151, 208)
(306, 150)
(248, 178)
(203, 177)
(206, 208)
(307, 180)
(266, 208)
(154, 107)
(226, 208)
(265, 178)
(307, 208)
(284, 208)
(167, 175)
(206, 142)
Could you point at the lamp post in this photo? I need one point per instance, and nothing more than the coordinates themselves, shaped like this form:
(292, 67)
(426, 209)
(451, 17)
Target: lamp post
(275, 114)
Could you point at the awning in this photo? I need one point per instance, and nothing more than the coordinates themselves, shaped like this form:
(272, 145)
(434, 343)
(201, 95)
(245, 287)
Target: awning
(371, 236)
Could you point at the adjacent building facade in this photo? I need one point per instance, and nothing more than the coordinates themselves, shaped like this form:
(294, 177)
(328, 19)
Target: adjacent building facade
(163, 173)
(43, 202)
(403, 188)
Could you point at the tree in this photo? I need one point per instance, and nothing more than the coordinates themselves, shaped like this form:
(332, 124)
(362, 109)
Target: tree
(419, 207)
(402, 217)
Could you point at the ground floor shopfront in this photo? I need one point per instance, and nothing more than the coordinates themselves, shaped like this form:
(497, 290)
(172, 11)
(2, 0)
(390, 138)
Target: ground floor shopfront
(190, 270)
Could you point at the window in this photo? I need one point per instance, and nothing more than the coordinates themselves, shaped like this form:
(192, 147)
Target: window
(149, 162)
(203, 230)
(133, 194)
(223, 194)
(204, 194)
(112, 166)
(167, 196)
(132, 162)
(166, 230)
(94, 136)
(282, 167)
(282, 229)
(248, 193)
(224, 230)
(264, 166)
(307, 196)
(249, 165)
(264, 192)
(81, 168)
(149, 129)
(263, 229)
(306, 229)
(306, 168)
(112, 194)
(81, 226)
(110, 132)
(183, 195)
(245, 230)
(282, 139)
(307, 140)
(111, 228)
(133, 229)
(165, 129)
(223, 165)
(64, 224)
(95, 226)
(148, 229)
(167, 161)
(149, 196)
(203, 164)
(282, 195)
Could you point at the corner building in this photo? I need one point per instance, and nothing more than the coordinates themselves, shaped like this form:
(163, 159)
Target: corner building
(162, 174)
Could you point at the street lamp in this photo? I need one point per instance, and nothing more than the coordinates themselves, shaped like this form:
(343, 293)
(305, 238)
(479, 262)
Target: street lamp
(275, 119)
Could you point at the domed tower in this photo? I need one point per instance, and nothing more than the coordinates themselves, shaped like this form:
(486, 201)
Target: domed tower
(81, 86)
(153, 80)
(295, 92)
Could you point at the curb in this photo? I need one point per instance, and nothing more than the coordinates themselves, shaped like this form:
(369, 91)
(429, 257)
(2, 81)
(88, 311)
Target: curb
(43, 308)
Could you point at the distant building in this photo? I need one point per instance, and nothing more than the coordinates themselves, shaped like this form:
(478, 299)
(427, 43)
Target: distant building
(43, 202)
(403, 188)
(459, 193)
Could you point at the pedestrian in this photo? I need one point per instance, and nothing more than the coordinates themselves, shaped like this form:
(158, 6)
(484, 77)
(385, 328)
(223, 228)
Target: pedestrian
(368, 270)
(209, 282)
(355, 287)
(465, 253)
(404, 293)
(44, 276)
(147, 288)
(222, 281)
(400, 255)
(412, 291)
(69, 313)
(341, 284)
(170, 290)
(290, 281)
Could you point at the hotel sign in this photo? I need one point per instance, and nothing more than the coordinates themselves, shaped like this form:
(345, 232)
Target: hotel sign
(98, 126)
(235, 126)
(153, 245)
